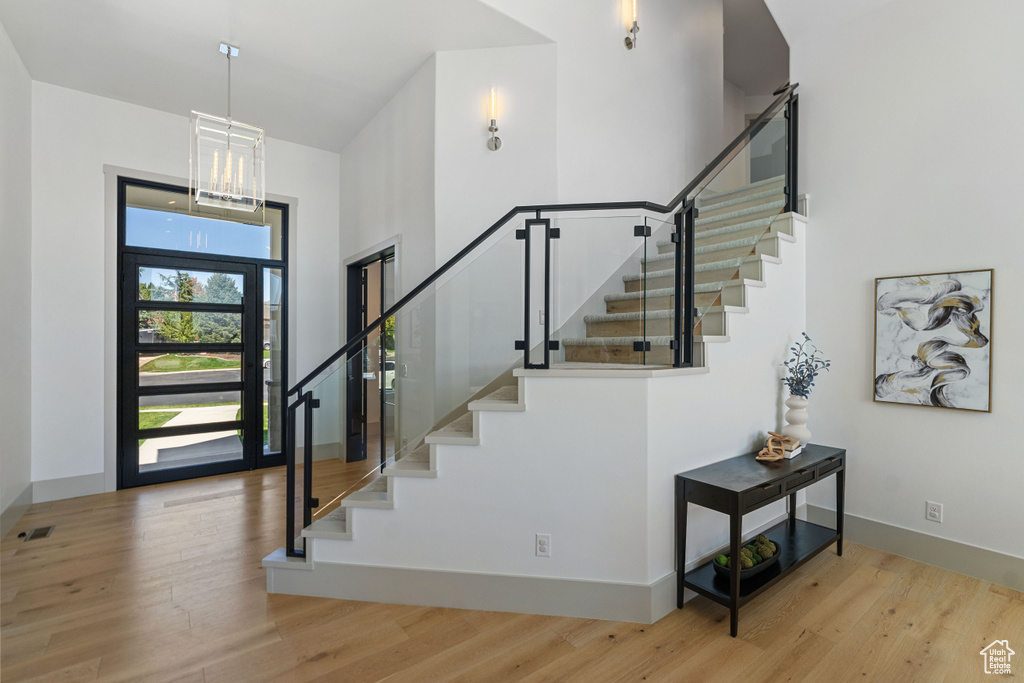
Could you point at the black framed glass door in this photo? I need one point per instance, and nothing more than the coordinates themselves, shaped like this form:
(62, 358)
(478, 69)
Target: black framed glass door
(202, 335)
(192, 400)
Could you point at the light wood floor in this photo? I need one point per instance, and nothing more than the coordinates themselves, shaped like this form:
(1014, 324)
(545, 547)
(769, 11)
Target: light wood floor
(164, 584)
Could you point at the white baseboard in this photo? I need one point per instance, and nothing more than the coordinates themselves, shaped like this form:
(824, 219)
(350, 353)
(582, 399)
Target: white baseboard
(68, 487)
(14, 511)
(639, 603)
(981, 563)
(465, 590)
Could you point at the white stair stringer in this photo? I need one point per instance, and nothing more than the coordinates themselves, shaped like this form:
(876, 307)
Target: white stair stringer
(590, 460)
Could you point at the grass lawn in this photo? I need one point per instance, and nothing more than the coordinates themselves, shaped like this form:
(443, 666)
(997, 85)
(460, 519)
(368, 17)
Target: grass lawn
(175, 363)
(154, 420)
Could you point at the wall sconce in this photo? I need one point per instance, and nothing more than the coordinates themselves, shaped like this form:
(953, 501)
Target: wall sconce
(494, 143)
(633, 30)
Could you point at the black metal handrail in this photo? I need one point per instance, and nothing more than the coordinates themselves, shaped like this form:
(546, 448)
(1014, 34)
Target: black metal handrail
(683, 326)
(695, 186)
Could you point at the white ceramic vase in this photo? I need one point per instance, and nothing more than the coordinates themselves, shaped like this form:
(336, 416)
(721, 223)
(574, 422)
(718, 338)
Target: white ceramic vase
(796, 419)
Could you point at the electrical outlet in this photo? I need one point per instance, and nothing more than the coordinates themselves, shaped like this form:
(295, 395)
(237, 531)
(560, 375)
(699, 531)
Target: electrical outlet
(933, 511)
(543, 545)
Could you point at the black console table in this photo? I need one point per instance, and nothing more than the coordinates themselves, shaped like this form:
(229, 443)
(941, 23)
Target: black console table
(740, 485)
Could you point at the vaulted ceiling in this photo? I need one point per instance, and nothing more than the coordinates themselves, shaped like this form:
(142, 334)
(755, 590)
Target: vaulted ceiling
(756, 54)
(312, 72)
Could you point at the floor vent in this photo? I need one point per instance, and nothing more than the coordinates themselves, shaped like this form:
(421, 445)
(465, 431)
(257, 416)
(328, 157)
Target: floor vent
(41, 532)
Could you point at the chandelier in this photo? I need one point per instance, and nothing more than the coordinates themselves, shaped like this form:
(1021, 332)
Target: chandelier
(226, 158)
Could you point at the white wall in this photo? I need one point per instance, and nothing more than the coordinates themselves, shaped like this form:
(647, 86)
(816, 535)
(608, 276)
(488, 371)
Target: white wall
(909, 147)
(475, 186)
(387, 192)
(479, 309)
(632, 124)
(16, 274)
(387, 181)
(74, 260)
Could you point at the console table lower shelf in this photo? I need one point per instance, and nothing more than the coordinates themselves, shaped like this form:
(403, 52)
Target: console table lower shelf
(741, 485)
(798, 542)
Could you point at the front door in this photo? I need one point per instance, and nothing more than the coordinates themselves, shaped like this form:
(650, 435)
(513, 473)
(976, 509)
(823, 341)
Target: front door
(192, 361)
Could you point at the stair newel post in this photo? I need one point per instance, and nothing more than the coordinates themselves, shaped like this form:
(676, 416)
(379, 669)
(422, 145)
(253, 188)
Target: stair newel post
(289, 451)
(526, 236)
(792, 149)
(682, 299)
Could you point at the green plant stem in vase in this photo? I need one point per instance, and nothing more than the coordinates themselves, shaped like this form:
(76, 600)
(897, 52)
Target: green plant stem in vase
(802, 369)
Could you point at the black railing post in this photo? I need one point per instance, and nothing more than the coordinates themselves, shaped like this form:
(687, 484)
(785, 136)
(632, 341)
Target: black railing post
(683, 295)
(689, 298)
(549, 234)
(526, 235)
(524, 343)
(792, 149)
(289, 454)
(308, 502)
(677, 294)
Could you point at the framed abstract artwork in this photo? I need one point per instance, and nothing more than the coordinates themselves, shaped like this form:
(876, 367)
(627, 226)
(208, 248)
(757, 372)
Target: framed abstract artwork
(933, 340)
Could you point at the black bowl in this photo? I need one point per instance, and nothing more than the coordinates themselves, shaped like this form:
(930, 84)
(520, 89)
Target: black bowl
(753, 571)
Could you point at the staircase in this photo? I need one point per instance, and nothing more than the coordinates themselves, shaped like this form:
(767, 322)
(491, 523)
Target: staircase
(738, 234)
(452, 520)
(734, 239)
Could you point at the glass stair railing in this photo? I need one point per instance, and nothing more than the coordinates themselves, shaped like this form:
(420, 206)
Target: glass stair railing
(618, 283)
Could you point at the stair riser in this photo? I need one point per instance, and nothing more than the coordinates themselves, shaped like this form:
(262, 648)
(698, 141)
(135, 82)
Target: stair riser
(659, 327)
(661, 303)
(659, 355)
(698, 278)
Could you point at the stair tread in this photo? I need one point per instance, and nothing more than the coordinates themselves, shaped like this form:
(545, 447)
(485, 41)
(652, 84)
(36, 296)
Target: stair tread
(336, 516)
(707, 249)
(505, 394)
(411, 460)
(699, 268)
(411, 463)
(628, 341)
(705, 288)
(653, 315)
(776, 206)
(378, 485)
(460, 426)
(758, 223)
(711, 198)
(332, 525)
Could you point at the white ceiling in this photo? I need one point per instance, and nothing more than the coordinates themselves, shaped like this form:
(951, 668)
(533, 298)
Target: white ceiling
(756, 54)
(799, 19)
(311, 71)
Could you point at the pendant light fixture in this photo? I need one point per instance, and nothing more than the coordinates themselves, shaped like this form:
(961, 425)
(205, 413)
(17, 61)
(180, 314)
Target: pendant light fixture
(226, 158)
